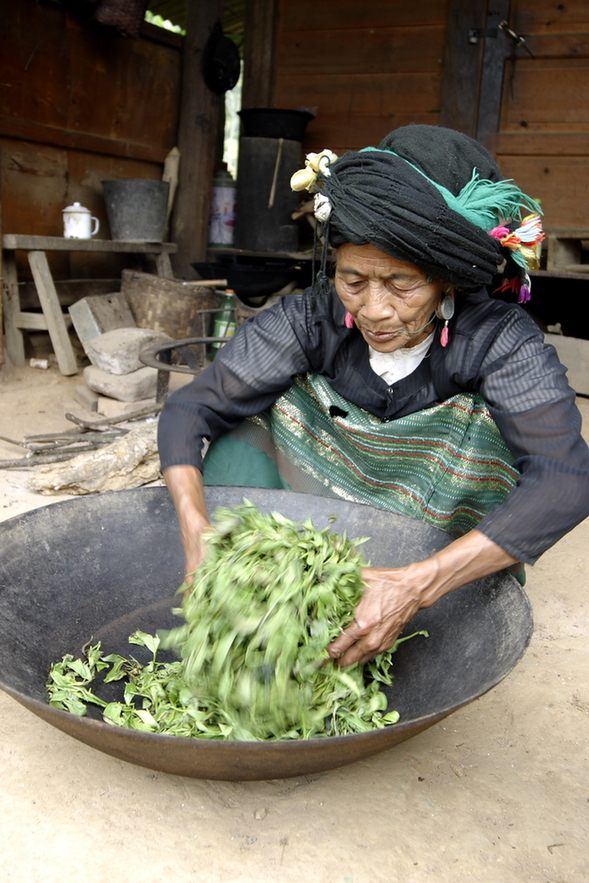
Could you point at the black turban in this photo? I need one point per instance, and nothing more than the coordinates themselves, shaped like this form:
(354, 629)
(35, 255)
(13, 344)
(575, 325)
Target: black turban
(387, 197)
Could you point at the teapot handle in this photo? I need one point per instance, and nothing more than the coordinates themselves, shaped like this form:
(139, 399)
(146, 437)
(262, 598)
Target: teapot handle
(97, 227)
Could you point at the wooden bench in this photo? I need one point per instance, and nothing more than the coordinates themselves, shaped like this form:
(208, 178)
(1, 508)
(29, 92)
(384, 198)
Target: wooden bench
(52, 319)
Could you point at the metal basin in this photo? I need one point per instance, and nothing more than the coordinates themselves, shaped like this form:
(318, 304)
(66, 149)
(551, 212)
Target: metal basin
(102, 566)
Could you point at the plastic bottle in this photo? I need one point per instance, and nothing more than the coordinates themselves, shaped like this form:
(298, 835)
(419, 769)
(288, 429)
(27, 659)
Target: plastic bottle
(224, 324)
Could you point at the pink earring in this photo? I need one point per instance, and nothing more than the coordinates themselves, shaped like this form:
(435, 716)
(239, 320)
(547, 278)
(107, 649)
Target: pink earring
(446, 312)
(349, 320)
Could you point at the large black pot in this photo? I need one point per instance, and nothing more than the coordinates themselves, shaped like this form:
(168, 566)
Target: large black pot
(99, 567)
(252, 283)
(274, 122)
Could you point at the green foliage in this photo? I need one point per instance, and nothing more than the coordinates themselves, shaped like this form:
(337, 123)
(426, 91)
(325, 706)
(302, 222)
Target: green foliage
(258, 616)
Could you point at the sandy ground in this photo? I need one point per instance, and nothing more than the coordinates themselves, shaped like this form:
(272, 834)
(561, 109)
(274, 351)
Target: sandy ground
(497, 792)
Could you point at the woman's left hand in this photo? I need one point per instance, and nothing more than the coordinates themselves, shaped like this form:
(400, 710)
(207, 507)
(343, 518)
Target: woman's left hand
(393, 596)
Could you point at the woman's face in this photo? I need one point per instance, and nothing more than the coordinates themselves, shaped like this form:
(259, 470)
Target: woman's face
(386, 297)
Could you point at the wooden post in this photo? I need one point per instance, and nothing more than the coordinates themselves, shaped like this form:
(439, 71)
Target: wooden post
(200, 116)
(259, 42)
(462, 66)
(491, 92)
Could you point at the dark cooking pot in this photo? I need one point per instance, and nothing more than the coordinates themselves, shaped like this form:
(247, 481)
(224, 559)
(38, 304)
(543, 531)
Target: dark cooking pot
(252, 283)
(102, 566)
(274, 122)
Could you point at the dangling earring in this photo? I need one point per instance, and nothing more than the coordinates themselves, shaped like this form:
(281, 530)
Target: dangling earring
(446, 312)
(349, 320)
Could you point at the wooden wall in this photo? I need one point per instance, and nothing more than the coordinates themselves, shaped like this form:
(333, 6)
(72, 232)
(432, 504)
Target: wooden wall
(368, 67)
(543, 139)
(78, 104)
(371, 67)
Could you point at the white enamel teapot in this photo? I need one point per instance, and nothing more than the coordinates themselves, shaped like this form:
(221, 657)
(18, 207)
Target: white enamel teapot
(77, 222)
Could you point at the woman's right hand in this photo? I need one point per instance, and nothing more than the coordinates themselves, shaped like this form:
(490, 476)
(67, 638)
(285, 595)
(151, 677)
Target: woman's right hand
(187, 491)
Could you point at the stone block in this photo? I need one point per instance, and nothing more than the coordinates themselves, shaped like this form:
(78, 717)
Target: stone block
(95, 315)
(132, 387)
(113, 408)
(86, 397)
(117, 351)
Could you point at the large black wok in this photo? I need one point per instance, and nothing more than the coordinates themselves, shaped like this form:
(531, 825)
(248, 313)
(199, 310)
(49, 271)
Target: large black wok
(103, 566)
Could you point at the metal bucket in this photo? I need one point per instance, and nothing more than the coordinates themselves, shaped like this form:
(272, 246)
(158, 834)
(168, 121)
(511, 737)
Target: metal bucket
(137, 209)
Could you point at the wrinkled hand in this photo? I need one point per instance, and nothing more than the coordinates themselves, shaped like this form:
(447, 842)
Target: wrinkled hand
(391, 598)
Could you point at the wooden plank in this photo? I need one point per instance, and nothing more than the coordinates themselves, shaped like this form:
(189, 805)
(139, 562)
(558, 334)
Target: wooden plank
(56, 327)
(557, 45)
(377, 94)
(535, 94)
(29, 130)
(37, 321)
(15, 346)
(462, 66)
(362, 50)
(491, 82)
(259, 53)
(103, 63)
(110, 246)
(526, 143)
(549, 17)
(299, 14)
(164, 265)
(561, 182)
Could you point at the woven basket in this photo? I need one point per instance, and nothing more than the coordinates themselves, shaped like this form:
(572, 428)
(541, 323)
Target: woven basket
(180, 310)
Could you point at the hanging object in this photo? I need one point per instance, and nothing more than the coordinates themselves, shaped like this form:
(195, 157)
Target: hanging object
(221, 64)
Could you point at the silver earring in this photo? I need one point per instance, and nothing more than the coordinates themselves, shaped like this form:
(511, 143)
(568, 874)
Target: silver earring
(446, 312)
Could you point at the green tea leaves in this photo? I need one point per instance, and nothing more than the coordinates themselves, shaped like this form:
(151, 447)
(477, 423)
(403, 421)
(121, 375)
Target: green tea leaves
(258, 616)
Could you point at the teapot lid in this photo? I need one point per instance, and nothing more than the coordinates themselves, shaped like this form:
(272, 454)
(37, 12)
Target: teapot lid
(76, 207)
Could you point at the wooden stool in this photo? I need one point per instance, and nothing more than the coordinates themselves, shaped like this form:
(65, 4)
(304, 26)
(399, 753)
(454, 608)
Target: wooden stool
(52, 319)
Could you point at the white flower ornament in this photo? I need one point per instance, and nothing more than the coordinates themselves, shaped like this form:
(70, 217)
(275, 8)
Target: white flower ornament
(321, 207)
(315, 163)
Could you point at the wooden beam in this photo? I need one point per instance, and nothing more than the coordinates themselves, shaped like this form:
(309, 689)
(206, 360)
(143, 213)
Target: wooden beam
(259, 49)
(462, 66)
(109, 246)
(491, 90)
(200, 117)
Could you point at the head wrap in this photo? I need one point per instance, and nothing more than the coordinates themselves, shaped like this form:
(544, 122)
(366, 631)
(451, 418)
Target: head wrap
(427, 195)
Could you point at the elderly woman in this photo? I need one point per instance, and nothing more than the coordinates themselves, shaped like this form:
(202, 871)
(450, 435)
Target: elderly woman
(403, 384)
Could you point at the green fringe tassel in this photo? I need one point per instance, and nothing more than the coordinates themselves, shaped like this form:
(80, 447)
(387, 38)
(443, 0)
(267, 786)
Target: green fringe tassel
(484, 203)
(488, 203)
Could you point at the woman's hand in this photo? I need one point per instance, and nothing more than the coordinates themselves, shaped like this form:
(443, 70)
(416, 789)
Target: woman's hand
(393, 596)
(186, 489)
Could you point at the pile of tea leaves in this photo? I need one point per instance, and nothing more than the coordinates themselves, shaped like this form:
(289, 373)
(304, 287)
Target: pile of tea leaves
(258, 616)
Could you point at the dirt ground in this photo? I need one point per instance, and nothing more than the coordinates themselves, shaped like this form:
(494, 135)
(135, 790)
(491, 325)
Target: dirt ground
(497, 792)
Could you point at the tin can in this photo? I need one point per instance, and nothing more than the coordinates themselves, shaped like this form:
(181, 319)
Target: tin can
(222, 218)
